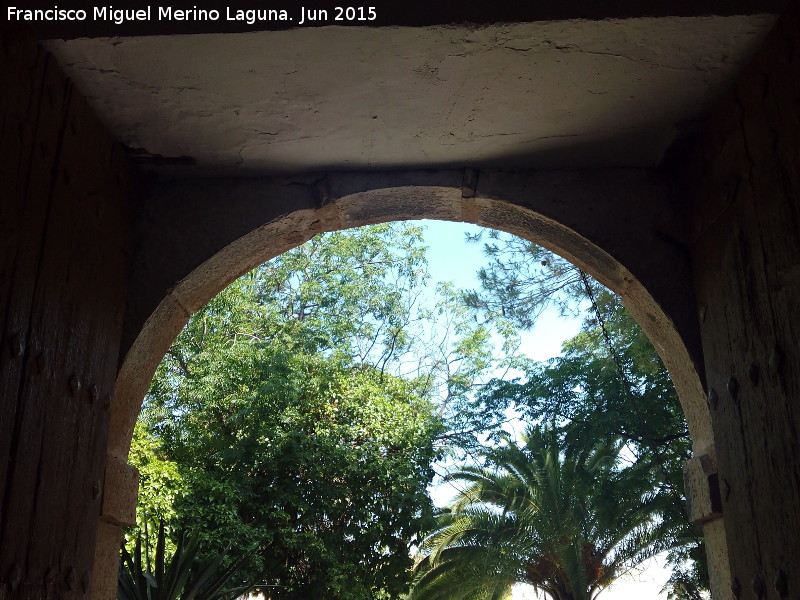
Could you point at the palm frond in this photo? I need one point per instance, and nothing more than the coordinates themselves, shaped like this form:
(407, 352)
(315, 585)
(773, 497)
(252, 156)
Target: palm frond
(560, 515)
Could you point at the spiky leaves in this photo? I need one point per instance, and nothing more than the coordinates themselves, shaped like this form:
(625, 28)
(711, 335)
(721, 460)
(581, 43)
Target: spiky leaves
(567, 518)
(178, 577)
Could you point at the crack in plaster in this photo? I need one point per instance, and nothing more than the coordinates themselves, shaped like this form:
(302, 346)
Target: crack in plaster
(567, 48)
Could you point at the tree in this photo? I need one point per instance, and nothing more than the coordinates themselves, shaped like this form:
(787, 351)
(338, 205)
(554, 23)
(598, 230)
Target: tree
(303, 411)
(322, 466)
(608, 384)
(565, 517)
(160, 487)
(455, 366)
(522, 280)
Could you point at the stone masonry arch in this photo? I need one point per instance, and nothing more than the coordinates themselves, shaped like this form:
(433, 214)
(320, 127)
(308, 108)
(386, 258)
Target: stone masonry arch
(621, 226)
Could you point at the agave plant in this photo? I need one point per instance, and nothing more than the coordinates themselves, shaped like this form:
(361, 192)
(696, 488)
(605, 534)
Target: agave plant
(182, 576)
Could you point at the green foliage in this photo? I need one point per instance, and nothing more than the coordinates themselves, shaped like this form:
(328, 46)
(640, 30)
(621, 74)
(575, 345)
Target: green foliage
(622, 391)
(300, 411)
(562, 515)
(176, 575)
(608, 385)
(160, 486)
(593, 394)
(304, 406)
(689, 579)
(324, 466)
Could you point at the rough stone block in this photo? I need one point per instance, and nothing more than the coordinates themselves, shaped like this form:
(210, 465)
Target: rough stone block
(120, 493)
(702, 489)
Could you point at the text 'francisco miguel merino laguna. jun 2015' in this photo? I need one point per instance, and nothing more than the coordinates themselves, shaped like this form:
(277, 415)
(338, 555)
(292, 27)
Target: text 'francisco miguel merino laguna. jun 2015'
(299, 15)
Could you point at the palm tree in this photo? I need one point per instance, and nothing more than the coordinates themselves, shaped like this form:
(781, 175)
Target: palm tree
(564, 517)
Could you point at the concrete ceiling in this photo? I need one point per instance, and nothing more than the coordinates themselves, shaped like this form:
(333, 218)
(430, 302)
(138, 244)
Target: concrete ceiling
(548, 94)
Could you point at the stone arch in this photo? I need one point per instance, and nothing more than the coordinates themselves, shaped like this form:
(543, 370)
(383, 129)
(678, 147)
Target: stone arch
(621, 226)
(614, 224)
